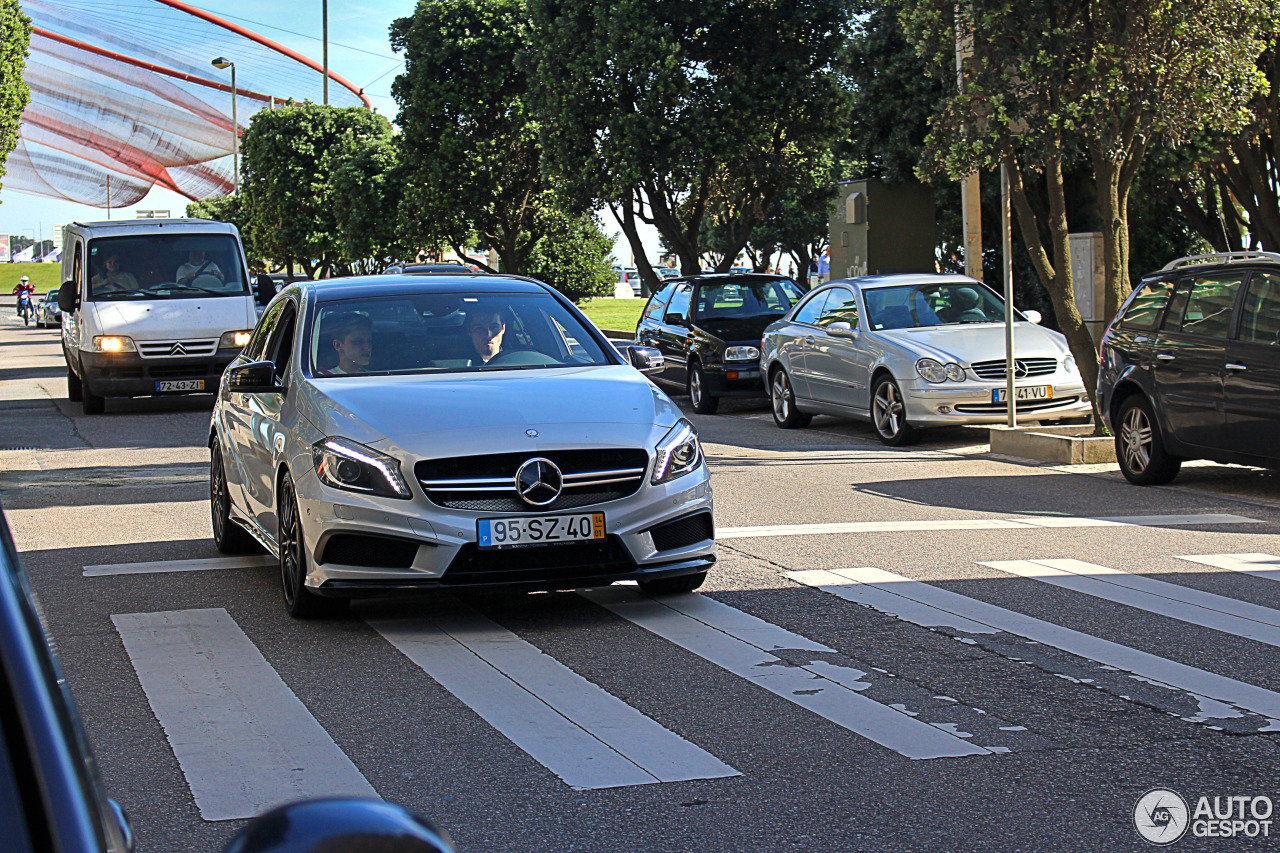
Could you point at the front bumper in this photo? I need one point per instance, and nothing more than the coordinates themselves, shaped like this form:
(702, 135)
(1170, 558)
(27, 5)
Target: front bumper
(364, 546)
(733, 380)
(127, 374)
(970, 402)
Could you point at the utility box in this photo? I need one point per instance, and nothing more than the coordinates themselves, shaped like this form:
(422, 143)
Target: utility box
(879, 228)
(1088, 281)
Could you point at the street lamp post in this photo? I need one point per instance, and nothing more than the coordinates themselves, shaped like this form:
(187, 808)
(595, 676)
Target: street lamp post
(222, 62)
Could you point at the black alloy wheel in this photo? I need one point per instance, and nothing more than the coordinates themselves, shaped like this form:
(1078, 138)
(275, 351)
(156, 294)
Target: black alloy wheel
(1140, 446)
(299, 602)
(889, 414)
(229, 537)
(672, 586)
(703, 403)
(783, 398)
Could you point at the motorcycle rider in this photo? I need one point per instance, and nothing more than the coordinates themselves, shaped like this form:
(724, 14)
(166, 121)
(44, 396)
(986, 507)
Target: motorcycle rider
(24, 290)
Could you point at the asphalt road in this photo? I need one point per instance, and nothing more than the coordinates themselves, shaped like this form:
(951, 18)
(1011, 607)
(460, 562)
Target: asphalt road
(949, 691)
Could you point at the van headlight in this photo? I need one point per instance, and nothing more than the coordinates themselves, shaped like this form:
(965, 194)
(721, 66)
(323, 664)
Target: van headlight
(678, 453)
(353, 467)
(235, 340)
(113, 343)
(742, 354)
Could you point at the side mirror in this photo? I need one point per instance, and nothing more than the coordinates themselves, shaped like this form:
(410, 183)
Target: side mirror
(256, 377)
(647, 360)
(68, 298)
(1034, 317)
(673, 319)
(266, 289)
(841, 329)
(340, 824)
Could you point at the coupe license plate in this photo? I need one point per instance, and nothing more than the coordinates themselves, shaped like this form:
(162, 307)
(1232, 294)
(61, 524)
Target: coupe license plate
(1030, 392)
(180, 385)
(539, 530)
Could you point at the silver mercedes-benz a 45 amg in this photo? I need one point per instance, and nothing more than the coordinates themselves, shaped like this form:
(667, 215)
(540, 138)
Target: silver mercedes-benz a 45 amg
(396, 433)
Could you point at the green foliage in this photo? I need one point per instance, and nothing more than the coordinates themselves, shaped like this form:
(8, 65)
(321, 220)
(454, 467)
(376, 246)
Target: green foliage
(15, 37)
(289, 156)
(365, 193)
(574, 257)
(230, 208)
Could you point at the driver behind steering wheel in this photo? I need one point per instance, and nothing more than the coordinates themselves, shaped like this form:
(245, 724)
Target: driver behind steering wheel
(487, 329)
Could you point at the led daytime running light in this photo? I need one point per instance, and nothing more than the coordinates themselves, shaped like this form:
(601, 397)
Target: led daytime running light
(342, 448)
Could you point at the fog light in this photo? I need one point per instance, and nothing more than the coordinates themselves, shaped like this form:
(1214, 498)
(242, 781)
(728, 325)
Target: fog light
(944, 410)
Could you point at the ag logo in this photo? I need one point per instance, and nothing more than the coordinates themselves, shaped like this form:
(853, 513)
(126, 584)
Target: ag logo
(1160, 816)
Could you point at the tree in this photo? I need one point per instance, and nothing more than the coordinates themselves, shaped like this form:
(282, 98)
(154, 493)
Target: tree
(364, 194)
(662, 111)
(15, 38)
(469, 152)
(232, 209)
(288, 158)
(574, 257)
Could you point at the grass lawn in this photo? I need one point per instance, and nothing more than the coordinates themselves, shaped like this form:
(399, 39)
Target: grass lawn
(620, 314)
(45, 277)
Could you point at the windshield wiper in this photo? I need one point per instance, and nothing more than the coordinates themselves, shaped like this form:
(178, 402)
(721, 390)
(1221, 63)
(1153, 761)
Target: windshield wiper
(111, 293)
(193, 287)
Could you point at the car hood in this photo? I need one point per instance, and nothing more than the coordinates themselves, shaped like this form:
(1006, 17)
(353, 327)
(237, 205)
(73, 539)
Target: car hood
(977, 342)
(469, 413)
(168, 319)
(730, 329)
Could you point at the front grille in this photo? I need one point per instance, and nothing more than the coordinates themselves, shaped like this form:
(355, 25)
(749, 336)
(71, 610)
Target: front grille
(995, 369)
(538, 563)
(376, 552)
(177, 349)
(1025, 406)
(183, 371)
(683, 532)
(487, 483)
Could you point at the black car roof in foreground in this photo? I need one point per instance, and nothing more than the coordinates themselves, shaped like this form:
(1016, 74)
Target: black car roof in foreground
(329, 290)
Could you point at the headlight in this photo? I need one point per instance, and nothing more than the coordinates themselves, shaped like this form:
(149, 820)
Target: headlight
(345, 464)
(741, 354)
(955, 371)
(1069, 364)
(678, 453)
(113, 343)
(235, 339)
(931, 371)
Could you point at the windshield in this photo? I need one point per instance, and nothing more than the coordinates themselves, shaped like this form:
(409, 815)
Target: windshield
(165, 266)
(909, 306)
(448, 333)
(746, 299)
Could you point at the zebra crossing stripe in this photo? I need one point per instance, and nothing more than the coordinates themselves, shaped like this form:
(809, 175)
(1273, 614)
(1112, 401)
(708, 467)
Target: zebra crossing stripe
(1220, 613)
(1263, 566)
(908, 599)
(586, 736)
(159, 566)
(244, 741)
(741, 644)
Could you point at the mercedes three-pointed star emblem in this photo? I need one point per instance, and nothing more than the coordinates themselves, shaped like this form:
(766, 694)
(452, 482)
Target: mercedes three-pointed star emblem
(539, 481)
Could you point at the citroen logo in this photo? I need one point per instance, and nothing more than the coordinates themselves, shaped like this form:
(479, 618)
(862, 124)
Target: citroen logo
(1020, 369)
(538, 482)
(177, 349)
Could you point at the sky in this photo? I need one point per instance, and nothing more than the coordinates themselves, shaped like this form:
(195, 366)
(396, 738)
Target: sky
(359, 50)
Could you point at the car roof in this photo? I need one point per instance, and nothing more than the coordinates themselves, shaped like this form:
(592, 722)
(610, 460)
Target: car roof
(118, 228)
(329, 290)
(728, 277)
(1215, 262)
(901, 279)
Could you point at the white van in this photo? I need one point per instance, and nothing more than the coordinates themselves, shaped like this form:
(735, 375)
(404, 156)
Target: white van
(155, 306)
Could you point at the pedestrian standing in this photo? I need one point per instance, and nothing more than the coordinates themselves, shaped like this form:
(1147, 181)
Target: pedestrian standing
(824, 265)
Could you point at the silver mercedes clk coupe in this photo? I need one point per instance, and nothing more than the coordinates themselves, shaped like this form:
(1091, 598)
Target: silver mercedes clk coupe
(388, 434)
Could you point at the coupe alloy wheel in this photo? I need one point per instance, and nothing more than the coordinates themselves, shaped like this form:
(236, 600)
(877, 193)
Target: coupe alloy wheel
(889, 414)
(783, 398)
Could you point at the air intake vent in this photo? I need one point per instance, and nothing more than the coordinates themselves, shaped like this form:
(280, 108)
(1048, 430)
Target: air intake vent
(683, 532)
(375, 552)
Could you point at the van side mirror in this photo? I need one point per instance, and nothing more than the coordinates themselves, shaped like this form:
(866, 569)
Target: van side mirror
(256, 377)
(68, 298)
(266, 289)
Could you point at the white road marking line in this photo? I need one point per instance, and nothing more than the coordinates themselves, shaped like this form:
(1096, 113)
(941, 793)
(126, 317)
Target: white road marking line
(578, 731)
(1024, 523)
(740, 643)
(902, 597)
(244, 741)
(204, 565)
(1263, 566)
(1218, 612)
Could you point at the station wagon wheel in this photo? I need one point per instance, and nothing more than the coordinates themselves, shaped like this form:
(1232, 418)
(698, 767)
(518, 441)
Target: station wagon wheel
(703, 403)
(229, 537)
(889, 414)
(783, 398)
(1140, 446)
(299, 601)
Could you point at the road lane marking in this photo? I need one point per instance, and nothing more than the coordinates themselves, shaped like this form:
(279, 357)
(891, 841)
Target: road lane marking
(741, 644)
(1229, 615)
(1023, 523)
(204, 565)
(1263, 566)
(578, 731)
(244, 741)
(908, 599)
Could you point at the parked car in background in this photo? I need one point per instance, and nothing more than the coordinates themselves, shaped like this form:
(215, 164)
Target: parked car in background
(48, 314)
(708, 329)
(907, 352)
(632, 278)
(1190, 367)
(667, 272)
(429, 269)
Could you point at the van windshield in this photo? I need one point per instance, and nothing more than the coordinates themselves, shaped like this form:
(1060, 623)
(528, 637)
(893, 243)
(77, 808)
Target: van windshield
(165, 266)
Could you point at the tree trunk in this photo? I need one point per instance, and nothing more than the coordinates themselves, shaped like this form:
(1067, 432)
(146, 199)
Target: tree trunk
(1106, 173)
(649, 283)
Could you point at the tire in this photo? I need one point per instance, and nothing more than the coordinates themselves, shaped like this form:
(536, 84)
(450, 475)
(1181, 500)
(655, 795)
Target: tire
(1140, 446)
(91, 402)
(703, 403)
(229, 537)
(75, 389)
(299, 602)
(889, 414)
(672, 586)
(782, 398)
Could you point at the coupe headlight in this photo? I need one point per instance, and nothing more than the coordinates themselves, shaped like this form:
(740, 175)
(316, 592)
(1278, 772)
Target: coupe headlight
(678, 453)
(742, 354)
(235, 339)
(348, 465)
(1069, 364)
(934, 371)
(113, 343)
(954, 371)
